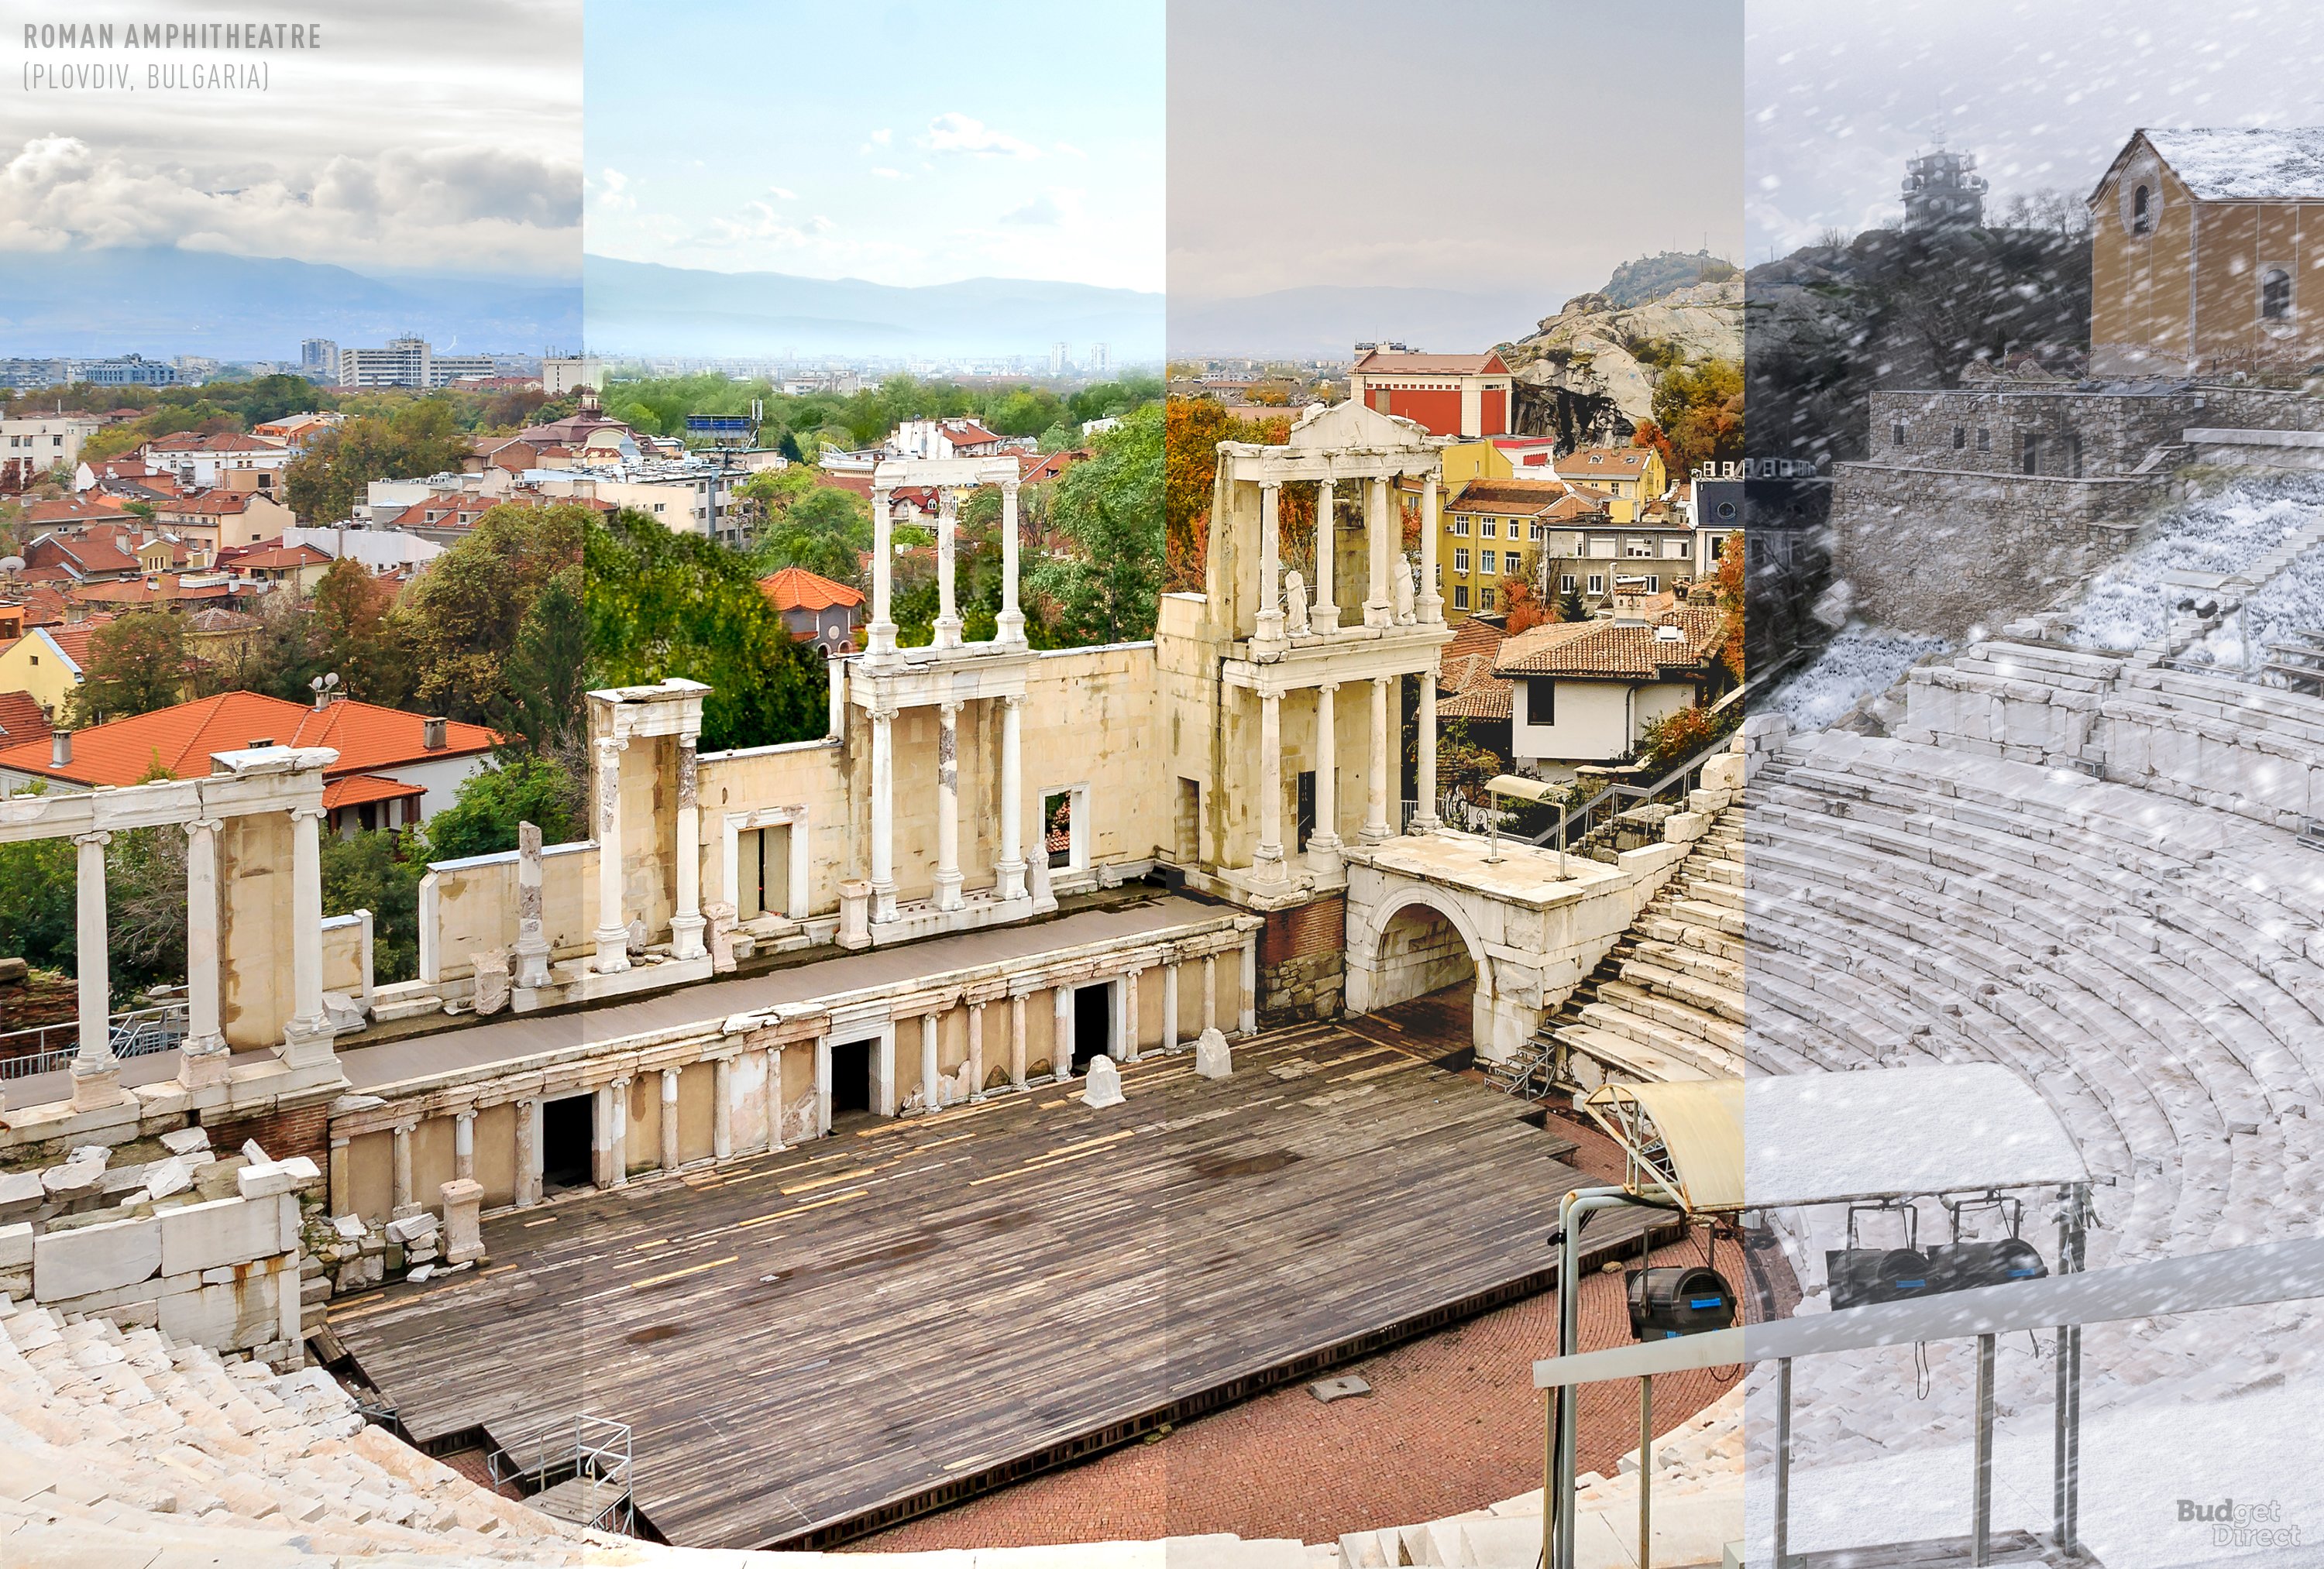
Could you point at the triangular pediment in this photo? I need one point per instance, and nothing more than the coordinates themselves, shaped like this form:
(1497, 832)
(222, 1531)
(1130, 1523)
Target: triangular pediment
(1351, 425)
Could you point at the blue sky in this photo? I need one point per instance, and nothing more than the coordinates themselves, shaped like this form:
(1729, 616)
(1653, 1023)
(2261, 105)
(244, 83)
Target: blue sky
(904, 144)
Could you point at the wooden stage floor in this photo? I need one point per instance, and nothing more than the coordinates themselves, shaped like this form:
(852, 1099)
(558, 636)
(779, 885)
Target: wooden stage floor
(814, 1344)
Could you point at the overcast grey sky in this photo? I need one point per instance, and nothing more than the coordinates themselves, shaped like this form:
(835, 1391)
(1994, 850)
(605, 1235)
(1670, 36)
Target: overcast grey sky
(2044, 92)
(442, 136)
(1520, 148)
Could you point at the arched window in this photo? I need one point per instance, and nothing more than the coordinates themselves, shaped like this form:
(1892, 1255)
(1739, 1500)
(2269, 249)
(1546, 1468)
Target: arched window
(2142, 211)
(2274, 294)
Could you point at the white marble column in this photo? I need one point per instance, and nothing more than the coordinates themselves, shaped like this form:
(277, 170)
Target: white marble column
(882, 634)
(883, 812)
(96, 1073)
(669, 1140)
(1383, 761)
(528, 1153)
(686, 925)
(601, 1138)
(1008, 626)
(883, 1086)
(1210, 991)
(618, 1103)
(308, 1028)
(1017, 1039)
(1379, 610)
(464, 1146)
(1061, 1035)
(613, 933)
(1010, 870)
(947, 878)
(202, 1058)
(976, 1051)
(1129, 1047)
(1424, 818)
(1170, 1005)
(931, 1093)
(399, 1200)
(1431, 599)
(822, 1086)
(1271, 562)
(1323, 845)
(721, 1109)
(1326, 615)
(1249, 1016)
(774, 1078)
(947, 622)
(1267, 861)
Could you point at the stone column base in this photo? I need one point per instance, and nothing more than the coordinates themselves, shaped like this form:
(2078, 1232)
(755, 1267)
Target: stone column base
(95, 1086)
(686, 937)
(204, 1062)
(307, 1043)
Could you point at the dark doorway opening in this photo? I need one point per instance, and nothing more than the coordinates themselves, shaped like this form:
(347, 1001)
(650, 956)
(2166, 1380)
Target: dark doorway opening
(1303, 815)
(851, 1077)
(1093, 1023)
(566, 1129)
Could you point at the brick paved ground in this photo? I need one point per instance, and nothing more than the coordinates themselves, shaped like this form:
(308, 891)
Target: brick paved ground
(1452, 1423)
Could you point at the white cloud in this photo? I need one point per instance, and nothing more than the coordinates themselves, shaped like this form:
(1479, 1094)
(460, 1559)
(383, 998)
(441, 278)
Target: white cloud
(780, 195)
(880, 138)
(398, 207)
(889, 173)
(1041, 212)
(1070, 151)
(960, 133)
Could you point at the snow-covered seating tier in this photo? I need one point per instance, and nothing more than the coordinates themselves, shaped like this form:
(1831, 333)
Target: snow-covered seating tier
(2152, 968)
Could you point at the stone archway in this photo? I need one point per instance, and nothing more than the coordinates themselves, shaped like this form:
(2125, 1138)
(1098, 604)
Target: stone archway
(1415, 941)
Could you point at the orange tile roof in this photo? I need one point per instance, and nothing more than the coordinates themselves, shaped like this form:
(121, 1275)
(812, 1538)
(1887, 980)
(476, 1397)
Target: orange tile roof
(1382, 362)
(1606, 462)
(795, 588)
(280, 557)
(1622, 650)
(362, 789)
(181, 740)
(21, 718)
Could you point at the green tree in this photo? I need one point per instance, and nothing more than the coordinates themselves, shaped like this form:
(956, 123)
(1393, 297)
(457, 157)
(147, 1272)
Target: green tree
(662, 604)
(137, 664)
(546, 665)
(1105, 581)
(38, 902)
(379, 870)
(357, 639)
(483, 818)
(825, 530)
(461, 620)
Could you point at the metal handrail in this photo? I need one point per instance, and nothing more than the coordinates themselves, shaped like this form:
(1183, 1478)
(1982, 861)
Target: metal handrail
(597, 1448)
(134, 1033)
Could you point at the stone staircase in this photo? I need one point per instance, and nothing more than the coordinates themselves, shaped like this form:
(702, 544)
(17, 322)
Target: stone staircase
(1666, 1002)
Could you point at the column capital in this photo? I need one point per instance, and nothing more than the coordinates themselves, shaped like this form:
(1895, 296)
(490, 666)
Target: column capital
(99, 837)
(1327, 686)
(1011, 487)
(401, 1127)
(609, 748)
(950, 707)
(465, 1115)
(194, 825)
(883, 710)
(1012, 700)
(1270, 484)
(307, 814)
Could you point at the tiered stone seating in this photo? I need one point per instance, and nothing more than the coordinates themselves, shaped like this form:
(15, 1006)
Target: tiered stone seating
(1698, 1509)
(1666, 1002)
(2151, 967)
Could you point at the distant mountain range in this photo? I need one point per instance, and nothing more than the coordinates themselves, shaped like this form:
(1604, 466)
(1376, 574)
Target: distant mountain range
(1323, 321)
(646, 308)
(159, 302)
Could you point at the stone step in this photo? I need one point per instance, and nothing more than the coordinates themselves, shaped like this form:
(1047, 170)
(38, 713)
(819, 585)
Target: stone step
(1710, 997)
(1725, 1035)
(1643, 1031)
(1626, 1059)
(1701, 913)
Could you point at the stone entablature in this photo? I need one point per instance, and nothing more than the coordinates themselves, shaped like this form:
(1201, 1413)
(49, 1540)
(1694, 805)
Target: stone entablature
(764, 1078)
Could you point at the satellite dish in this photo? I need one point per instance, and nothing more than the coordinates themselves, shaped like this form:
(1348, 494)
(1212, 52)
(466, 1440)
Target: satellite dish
(12, 564)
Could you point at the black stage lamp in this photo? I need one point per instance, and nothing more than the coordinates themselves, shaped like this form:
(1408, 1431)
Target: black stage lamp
(1961, 1266)
(1669, 1300)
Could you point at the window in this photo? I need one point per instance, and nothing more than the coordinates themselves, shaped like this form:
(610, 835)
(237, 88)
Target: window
(1896, 434)
(1460, 561)
(1461, 527)
(1485, 598)
(2142, 211)
(1566, 582)
(1673, 550)
(1597, 583)
(2029, 456)
(1489, 528)
(1460, 596)
(1984, 439)
(1727, 508)
(1600, 545)
(1653, 582)
(1960, 437)
(1487, 563)
(1638, 547)
(2275, 295)
(1541, 700)
(1719, 547)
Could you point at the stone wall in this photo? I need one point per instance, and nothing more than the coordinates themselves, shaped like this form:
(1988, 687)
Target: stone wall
(1420, 952)
(1301, 960)
(1931, 551)
(2115, 431)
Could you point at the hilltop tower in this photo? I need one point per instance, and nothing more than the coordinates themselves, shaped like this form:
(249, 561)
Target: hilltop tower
(1944, 190)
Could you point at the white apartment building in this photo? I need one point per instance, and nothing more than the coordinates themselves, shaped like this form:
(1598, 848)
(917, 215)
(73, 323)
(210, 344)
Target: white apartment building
(409, 362)
(30, 448)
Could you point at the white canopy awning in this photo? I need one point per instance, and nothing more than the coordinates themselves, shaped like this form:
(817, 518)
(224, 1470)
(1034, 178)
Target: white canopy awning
(1828, 1138)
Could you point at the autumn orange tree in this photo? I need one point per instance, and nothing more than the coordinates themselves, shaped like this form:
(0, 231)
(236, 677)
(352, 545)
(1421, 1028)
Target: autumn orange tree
(1700, 408)
(1729, 578)
(1523, 606)
(1649, 433)
(1192, 429)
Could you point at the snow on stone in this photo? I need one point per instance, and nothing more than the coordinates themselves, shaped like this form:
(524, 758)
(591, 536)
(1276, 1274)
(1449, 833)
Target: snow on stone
(2130, 602)
(2290, 601)
(1856, 663)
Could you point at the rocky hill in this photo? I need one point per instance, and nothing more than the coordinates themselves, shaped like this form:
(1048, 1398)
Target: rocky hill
(1587, 373)
(1649, 277)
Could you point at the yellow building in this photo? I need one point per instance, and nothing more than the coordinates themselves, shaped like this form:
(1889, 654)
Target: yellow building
(1495, 530)
(1629, 476)
(49, 662)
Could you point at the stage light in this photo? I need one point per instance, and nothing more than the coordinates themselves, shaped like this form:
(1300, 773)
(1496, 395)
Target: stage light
(1674, 1299)
(1960, 1266)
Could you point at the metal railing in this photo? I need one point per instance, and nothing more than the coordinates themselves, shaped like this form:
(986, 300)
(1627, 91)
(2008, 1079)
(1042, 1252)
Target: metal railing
(589, 1449)
(136, 1032)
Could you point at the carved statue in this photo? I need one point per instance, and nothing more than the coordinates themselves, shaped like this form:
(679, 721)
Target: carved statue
(1294, 596)
(1404, 592)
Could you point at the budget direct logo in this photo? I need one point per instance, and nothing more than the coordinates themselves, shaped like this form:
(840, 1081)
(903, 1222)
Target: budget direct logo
(2228, 1524)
